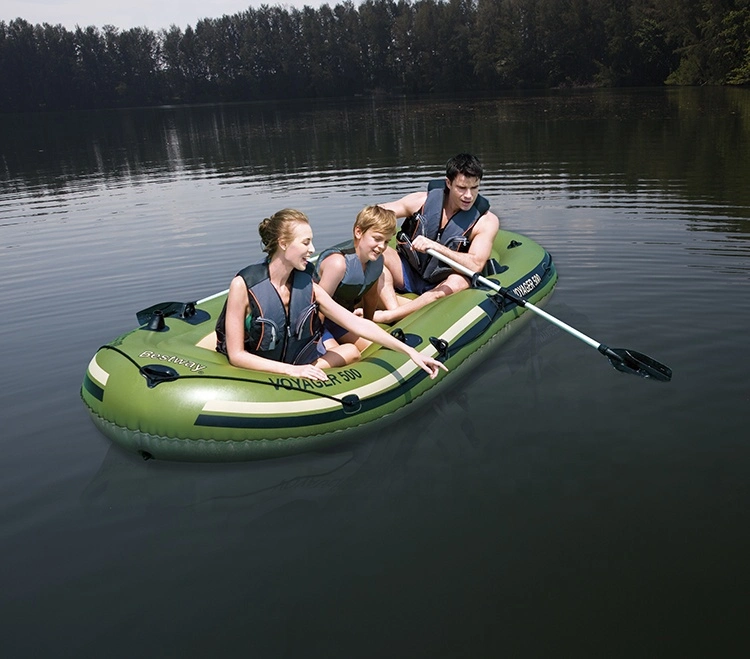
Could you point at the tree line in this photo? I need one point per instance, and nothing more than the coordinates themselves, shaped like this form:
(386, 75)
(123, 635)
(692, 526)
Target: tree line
(378, 46)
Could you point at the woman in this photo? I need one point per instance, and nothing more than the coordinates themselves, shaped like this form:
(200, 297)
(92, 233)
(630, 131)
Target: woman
(270, 320)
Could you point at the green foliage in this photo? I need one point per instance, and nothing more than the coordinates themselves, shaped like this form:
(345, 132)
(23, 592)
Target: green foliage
(379, 46)
(711, 39)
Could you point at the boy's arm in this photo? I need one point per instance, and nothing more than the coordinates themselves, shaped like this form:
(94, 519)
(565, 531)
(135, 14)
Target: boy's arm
(371, 299)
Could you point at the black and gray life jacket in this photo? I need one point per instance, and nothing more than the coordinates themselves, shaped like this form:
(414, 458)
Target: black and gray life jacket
(454, 235)
(356, 281)
(270, 331)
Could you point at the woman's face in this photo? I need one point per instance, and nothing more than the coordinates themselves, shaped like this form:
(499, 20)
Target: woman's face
(299, 249)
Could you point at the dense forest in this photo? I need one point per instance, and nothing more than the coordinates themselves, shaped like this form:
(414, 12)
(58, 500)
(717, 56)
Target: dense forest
(377, 46)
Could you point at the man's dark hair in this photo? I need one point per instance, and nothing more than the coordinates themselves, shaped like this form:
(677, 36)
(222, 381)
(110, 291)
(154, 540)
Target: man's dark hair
(466, 164)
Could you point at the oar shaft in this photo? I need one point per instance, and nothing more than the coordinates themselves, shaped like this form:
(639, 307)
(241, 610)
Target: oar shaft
(627, 361)
(518, 300)
(564, 326)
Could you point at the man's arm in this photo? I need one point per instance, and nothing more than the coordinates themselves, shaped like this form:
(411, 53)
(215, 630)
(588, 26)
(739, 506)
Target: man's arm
(482, 238)
(407, 205)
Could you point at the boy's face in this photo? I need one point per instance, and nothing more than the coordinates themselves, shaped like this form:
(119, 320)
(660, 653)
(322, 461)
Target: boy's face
(371, 243)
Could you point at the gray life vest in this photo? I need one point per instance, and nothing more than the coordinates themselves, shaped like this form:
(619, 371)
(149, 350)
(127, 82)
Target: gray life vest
(270, 331)
(454, 235)
(356, 281)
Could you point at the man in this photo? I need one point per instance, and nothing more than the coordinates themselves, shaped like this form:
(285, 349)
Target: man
(452, 219)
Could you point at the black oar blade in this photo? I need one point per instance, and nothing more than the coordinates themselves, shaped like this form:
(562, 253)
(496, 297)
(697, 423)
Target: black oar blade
(636, 363)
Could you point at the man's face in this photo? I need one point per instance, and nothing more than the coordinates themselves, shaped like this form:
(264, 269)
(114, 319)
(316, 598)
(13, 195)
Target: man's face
(462, 192)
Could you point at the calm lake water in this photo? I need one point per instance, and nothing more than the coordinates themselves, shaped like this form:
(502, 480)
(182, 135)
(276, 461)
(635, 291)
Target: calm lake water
(544, 506)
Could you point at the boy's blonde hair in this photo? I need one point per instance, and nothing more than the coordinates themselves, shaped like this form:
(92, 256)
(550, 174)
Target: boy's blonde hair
(377, 218)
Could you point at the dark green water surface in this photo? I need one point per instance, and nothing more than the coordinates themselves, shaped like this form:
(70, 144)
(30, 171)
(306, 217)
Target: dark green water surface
(544, 506)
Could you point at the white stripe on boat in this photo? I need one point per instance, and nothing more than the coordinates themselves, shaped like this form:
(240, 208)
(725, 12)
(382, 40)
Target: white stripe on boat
(97, 372)
(317, 404)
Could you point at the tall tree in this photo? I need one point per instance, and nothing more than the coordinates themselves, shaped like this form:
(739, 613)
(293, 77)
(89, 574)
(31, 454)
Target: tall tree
(376, 19)
(95, 73)
(387, 46)
(20, 65)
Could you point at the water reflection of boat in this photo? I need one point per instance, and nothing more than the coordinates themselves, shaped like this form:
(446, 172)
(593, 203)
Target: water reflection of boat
(123, 484)
(162, 391)
(441, 429)
(448, 432)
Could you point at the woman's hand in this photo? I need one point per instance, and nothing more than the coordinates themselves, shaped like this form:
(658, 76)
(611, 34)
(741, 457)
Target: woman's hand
(428, 364)
(372, 332)
(309, 371)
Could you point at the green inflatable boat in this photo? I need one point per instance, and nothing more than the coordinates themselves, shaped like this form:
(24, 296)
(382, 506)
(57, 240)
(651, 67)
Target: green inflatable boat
(162, 390)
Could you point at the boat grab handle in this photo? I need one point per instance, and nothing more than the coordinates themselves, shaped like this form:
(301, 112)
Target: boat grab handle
(158, 373)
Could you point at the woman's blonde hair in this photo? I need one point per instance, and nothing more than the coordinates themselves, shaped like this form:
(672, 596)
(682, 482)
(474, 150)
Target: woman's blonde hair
(377, 218)
(280, 228)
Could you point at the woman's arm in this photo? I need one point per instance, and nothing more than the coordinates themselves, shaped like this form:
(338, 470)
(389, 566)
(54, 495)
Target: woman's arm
(372, 332)
(238, 307)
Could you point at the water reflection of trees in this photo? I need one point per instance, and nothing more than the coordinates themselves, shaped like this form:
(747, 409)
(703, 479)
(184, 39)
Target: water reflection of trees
(689, 138)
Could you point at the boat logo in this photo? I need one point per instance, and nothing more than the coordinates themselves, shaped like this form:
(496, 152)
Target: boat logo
(334, 379)
(529, 285)
(195, 367)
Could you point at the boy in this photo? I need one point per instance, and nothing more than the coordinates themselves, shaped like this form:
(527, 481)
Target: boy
(353, 275)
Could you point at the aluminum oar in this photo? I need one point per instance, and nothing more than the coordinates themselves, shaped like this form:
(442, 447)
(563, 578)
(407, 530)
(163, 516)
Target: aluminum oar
(624, 360)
